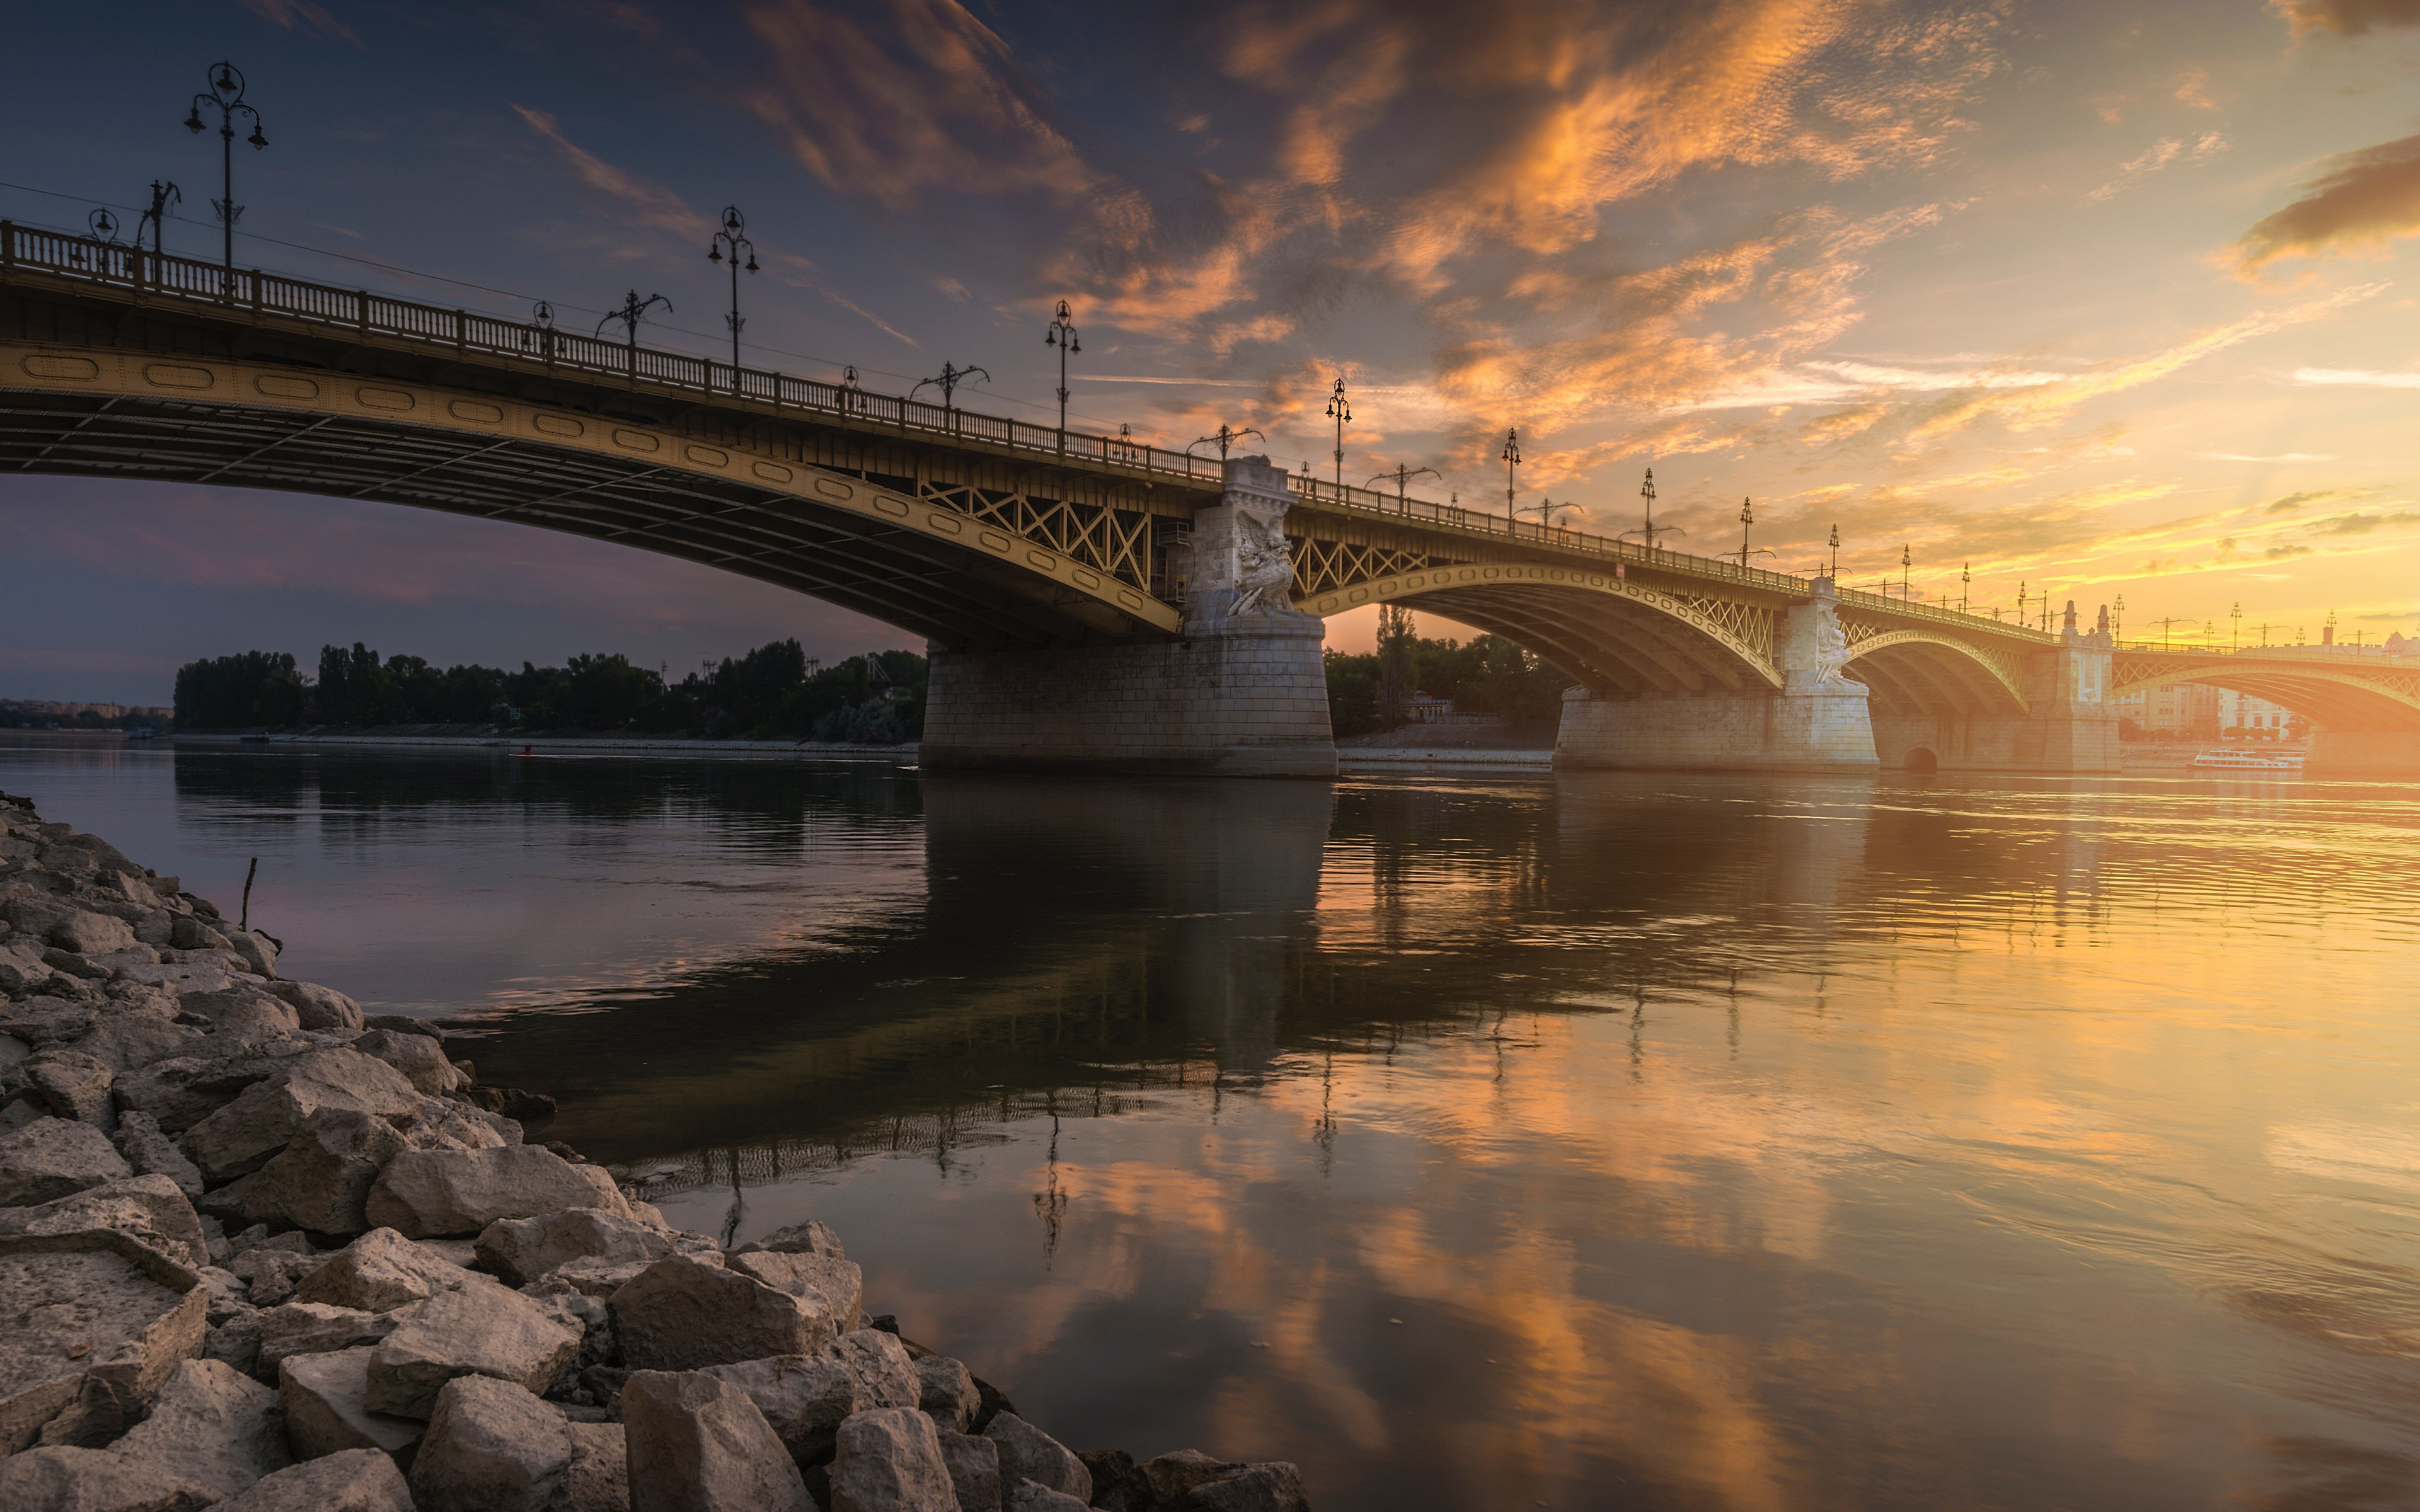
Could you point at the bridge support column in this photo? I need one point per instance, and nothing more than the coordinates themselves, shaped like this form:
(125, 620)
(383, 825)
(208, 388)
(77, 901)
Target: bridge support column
(2069, 726)
(1815, 722)
(2364, 755)
(1242, 692)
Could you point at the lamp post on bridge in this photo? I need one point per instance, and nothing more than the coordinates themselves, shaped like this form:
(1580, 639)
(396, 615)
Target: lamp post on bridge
(1649, 531)
(1748, 518)
(1512, 455)
(1965, 578)
(1227, 437)
(1403, 476)
(226, 95)
(734, 235)
(2118, 619)
(952, 376)
(1546, 508)
(633, 309)
(1836, 556)
(1062, 334)
(162, 196)
(1906, 560)
(1340, 411)
(2235, 634)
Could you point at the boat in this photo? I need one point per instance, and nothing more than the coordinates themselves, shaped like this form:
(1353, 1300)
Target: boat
(2245, 761)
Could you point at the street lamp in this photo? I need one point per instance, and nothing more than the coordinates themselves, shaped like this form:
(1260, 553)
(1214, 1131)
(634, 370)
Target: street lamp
(1511, 463)
(633, 309)
(1835, 555)
(948, 383)
(1651, 530)
(1906, 560)
(1546, 508)
(2235, 636)
(1340, 411)
(1062, 334)
(162, 196)
(734, 235)
(1748, 518)
(2118, 619)
(226, 95)
(1965, 577)
(1403, 476)
(1226, 435)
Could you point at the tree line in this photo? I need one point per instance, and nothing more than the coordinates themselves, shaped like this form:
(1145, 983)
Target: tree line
(772, 693)
(1486, 674)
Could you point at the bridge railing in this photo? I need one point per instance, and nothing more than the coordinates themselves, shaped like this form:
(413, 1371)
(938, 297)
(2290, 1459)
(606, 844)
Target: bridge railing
(363, 315)
(2301, 652)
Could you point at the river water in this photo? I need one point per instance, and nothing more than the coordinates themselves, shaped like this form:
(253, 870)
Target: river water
(1616, 1141)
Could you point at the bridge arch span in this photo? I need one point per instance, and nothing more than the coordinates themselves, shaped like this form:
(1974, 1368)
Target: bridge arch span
(1921, 671)
(956, 579)
(1615, 636)
(2334, 697)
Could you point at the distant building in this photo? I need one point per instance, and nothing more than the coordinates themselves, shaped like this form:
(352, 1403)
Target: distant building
(2242, 711)
(2181, 708)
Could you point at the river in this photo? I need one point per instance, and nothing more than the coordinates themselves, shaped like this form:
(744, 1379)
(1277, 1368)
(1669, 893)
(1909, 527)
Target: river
(1653, 1142)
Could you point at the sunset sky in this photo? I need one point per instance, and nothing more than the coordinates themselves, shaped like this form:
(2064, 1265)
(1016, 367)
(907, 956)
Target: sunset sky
(2114, 297)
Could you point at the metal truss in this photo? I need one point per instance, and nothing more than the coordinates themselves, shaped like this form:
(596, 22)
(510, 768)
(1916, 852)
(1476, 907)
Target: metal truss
(1118, 541)
(1750, 624)
(1324, 566)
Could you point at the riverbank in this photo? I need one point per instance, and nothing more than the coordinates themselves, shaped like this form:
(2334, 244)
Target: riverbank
(553, 745)
(265, 1251)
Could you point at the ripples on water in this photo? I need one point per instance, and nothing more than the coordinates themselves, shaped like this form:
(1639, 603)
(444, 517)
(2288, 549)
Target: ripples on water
(1618, 1141)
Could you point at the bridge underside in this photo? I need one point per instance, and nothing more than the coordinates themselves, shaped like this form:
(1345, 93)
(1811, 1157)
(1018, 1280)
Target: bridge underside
(956, 596)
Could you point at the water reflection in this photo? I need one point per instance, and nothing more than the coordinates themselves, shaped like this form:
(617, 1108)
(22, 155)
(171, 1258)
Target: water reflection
(1610, 1142)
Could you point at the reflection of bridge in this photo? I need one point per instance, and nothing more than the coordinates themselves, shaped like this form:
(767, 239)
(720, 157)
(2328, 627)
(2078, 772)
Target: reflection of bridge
(1090, 601)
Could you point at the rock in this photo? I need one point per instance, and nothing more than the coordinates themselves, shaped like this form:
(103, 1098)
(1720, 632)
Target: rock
(512, 1103)
(259, 952)
(129, 1041)
(1033, 1496)
(446, 1124)
(90, 933)
(588, 1317)
(835, 1285)
(238, 1009)
(947, 1392)
(350, 1480)
(520, 1250)
(973, 1463)
(699, 1445)
(381, 1271)
(321, 1179)
(92, 1321)
(1191, 1481)
(1027, 1453)
(183, 1091)
(890, 1461)
(314, 1328)
(226, 1294)
(68, 1083)
(52, 1158)
(480, 1330)
(147, 1147)
(404, 1024)
(235, 1342)
(21, 975)
(421, 1060)
(460, 1192)
(317, 1007)
(242, 1135)
(324, 1394)
(493, 1447)
(881, 1369)
(148, 1209)
(809, 1238)
(681, 1313)
(48, 1020)
(213, 1426)
(804, 1399)
(95, 1480)
(186, 933)
(271, 1274)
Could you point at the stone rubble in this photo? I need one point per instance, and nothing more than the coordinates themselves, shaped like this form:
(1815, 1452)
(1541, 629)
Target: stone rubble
(262, 1252)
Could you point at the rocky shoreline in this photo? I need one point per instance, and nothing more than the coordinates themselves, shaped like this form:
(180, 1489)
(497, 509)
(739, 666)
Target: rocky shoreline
(263, 1253)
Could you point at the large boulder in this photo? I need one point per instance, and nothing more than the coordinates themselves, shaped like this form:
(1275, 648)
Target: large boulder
(350, 1480)
(52, 1158)
(433, 1193)
(48, 1020)
(240, 1009)
(317, 1007)
(682, 1313)
(810, 1238)
(147, 1209)
(883, 1372)
(92, 1323)
(325, 1396)
(520, 1250)
(146, 1147)
(242, 1135)
(890, 1461)
(213, 1426)
(1027, 1453)
(381, 1271)
(804, 1399)
(973, 1463)
(947, 1392)
(837, 1286)
(68, 1084)
(1033, 1496)
(128, 1042)
(493, 1447)
(67, 1479)
(314, 1328)
(180, 1093)
(481, 1330)
(321, 1179)
(89, 933)
(420, 1058)
(1191, 1481)
(699, 1445)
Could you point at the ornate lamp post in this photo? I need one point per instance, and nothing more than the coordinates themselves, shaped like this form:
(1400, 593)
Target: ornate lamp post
(734, 235)
(1965, 577)
(1227, 437)
(1748, 518)
(1650, 530)
(2118, 619)
(633, 309)
(2235, 635)
(1340, 411)
(162, 196)
(1062, 334)
(1835, 544)
(1511, 463)
(1403, 476)
(948, 383)
(1906, 560)
(226, 95)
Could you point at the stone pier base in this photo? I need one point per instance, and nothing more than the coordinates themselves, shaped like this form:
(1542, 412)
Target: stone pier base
(2079, 739)
(1247, 699)
(2364, 755)
(1823, 730)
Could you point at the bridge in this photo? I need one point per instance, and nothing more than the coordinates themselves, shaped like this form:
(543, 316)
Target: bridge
(1089, 601)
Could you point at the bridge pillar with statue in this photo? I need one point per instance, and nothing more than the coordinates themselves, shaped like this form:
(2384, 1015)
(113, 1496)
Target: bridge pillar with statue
(2066, 726)
(1240, 691)
(1815, 721)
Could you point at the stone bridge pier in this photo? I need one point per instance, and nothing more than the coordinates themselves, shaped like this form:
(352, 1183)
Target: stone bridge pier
(1239, 691)
(2066, 726)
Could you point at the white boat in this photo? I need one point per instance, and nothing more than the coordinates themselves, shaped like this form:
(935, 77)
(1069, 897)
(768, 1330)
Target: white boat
(2245, 761)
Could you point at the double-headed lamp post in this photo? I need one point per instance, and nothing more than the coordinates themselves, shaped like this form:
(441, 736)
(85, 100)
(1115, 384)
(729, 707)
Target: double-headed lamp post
(1062, 334)
(732, 236)
(1511, 466)
(226, 95)
(1340, 411)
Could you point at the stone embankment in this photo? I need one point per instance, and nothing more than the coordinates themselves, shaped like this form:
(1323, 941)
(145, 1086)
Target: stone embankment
(262, 1253)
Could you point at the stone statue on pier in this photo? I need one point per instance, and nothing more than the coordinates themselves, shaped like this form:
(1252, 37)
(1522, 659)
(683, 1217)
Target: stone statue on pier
(1264, 565)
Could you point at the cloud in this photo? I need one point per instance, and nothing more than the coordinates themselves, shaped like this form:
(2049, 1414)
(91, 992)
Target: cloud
(303, 15)
(2347, 18)
(2296, 500)
(650, 204)
(2158, 156)
(2355, 378)
(2282, 457)
(2285, 553)
(2363, 200)
(2365, 524)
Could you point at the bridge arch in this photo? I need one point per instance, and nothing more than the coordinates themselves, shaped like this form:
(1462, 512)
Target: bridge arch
(956, 579)
(2336, 698)
(1617, 636)
(1922, 670)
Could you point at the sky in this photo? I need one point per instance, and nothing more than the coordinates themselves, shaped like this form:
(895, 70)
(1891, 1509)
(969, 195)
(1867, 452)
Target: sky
(2114, 300)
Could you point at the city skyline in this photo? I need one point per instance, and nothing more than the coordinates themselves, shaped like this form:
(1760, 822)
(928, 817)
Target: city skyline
(2101, 306)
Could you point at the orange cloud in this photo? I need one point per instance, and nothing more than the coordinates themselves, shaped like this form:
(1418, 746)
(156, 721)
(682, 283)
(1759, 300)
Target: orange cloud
(2347, 18)
(651, 203)
(2366, 199)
